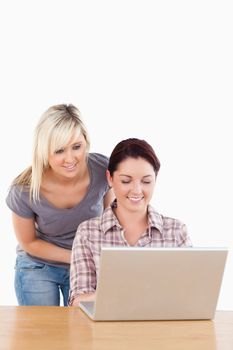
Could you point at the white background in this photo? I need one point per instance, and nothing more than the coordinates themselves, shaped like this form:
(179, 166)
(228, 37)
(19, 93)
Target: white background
(158, 70)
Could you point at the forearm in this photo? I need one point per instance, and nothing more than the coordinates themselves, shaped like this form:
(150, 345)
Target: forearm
(48, 251)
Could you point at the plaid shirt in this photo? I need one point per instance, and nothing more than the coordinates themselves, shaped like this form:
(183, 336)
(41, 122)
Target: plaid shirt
(106, 231)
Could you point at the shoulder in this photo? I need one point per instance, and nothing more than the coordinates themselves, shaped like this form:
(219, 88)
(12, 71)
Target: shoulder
(164, 222)
(173, 230)
(92, 229)
(18, 191)
(98, 160)
(89, 230)
(18, 200)
(98, 164)
(171, 223)
(94, 223)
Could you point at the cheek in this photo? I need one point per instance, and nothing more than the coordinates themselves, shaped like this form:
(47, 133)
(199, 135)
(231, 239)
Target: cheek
(81, 156)
(84, 156)
(119, 190)
(149, 191)
(54, 161)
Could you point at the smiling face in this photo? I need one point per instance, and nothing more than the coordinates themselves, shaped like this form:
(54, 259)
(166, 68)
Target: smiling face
(70, 161)
(133, 183)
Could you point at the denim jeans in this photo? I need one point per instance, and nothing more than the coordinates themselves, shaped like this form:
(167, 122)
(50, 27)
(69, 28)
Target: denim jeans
(39, 283)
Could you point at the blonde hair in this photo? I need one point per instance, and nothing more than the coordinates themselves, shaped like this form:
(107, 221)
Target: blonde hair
(54, 130)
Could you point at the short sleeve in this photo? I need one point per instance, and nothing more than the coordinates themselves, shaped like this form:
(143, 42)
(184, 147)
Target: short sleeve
(98, 164)
(19, 202)
(99, 159)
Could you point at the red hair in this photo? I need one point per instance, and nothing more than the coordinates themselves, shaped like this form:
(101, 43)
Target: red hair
(133, 148)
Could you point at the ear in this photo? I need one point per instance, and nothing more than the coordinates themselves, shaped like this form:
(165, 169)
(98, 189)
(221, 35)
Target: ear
(109, 178)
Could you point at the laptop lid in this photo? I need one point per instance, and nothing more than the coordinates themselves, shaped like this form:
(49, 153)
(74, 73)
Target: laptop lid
(158, 283)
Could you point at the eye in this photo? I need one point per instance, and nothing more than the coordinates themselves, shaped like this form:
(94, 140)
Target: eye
(146, 182)
(76, 147)
(125, 181)
(59, 151)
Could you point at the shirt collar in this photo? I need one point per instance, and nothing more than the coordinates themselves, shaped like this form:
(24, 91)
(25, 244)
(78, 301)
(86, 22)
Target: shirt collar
(109, 220)
(155, 219)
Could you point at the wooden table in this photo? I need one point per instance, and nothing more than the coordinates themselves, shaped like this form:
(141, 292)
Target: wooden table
(49, 327)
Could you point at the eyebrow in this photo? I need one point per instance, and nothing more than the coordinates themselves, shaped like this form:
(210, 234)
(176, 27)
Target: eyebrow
(76, 143)
(73, 144)
(131, 176)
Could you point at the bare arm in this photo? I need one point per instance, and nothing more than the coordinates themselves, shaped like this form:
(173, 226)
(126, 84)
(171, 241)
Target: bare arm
(25, 233)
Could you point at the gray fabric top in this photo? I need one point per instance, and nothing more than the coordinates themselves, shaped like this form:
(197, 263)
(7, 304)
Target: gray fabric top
(57, 225)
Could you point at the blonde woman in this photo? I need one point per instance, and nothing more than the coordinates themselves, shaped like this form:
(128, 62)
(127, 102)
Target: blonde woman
(64, 186)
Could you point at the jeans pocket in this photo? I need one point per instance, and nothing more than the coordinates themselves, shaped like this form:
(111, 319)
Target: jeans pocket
(26, 263)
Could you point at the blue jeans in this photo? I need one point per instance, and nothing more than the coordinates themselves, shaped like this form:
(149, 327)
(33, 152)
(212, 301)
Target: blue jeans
(39, 283)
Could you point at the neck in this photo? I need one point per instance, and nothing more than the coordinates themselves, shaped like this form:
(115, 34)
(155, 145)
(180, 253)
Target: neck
(62, 180)
(127, 218)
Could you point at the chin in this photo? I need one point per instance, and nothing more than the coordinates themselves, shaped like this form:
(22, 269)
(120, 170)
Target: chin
(69, 175)
(137, 207)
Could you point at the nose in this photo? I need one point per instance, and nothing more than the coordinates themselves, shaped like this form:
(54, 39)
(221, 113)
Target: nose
(69, 157)
(137, 188)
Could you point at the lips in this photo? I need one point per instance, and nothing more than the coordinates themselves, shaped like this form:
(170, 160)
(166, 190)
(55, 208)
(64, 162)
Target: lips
(70, 167)
(135, 199)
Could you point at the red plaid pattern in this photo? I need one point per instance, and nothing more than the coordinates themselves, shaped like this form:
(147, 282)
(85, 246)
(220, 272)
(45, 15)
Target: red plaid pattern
(106, 231)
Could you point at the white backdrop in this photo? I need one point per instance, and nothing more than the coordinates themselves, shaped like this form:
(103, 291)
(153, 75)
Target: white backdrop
(158, 70)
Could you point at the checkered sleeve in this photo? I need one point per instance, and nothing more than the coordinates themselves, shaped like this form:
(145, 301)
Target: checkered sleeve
(184, 239)
(82, 267)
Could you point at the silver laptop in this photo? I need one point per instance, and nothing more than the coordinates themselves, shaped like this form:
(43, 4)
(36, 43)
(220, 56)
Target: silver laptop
(157, 284)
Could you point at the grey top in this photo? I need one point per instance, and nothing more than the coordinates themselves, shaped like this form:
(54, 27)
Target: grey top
(57, 225)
